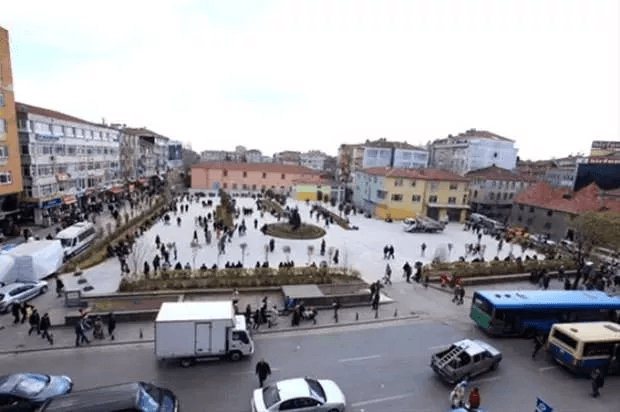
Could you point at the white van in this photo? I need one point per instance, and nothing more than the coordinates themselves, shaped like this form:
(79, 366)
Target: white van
(76, 238)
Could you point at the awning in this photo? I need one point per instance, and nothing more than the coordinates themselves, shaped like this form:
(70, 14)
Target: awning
(116, 190)
(89, 192)
(62, 177)
(69, 199)
(132, 187)
(447, 206)
(142, 180)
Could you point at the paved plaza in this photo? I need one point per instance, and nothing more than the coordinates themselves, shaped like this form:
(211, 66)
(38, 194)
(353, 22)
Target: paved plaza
(361, 250)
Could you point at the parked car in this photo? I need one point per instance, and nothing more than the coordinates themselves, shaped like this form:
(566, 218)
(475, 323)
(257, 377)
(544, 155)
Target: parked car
(568, 245)
(300, 394)
(18, 292)
(33, 388)
(125, 397)
(465, 359)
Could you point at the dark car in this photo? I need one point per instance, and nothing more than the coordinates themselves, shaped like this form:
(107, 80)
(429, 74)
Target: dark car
(33, 388)
(126, 397)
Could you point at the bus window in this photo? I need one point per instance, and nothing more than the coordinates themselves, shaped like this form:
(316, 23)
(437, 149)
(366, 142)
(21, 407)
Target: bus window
(483, 305)
(565, 339)
(598, 348)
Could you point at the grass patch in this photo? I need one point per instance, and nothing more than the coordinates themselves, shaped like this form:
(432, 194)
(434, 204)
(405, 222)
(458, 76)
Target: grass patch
(285, 231)
(236, 278)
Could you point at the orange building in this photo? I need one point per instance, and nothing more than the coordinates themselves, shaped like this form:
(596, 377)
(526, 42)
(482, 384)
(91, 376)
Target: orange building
(10, 167)
(248, 176)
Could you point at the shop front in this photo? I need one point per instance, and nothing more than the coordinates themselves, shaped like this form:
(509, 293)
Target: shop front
(48, 212)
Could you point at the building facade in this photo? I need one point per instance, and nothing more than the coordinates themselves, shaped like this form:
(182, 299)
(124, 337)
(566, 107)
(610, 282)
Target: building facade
(10, 164)
(313, 159)
(403, 193)
(237, 176)
(350, 159)
(546, 210)
(157, 162)
(288, 157)
(605, 148)
(474, 149)
(175, 154)
(397, 155)
(492, 190)
(65, 161)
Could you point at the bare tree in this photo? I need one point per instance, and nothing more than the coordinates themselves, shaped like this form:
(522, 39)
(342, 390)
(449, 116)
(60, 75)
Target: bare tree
(287, 251)
(310, 252)
(141, 251)
(243, 247)
(195, 249)
(266, 252)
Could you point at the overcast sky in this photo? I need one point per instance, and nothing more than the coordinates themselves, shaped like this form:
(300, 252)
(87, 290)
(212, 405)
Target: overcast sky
(300, 75)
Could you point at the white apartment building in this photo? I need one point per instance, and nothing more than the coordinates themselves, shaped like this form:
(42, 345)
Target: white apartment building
(313, 159)
(64, 160)
(397, 155)
(472, 150)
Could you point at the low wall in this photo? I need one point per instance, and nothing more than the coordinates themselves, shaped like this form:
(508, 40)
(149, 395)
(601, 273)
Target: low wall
(124, 316)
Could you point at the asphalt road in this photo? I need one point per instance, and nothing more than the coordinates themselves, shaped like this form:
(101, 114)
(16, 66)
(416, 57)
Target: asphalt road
(383, 367)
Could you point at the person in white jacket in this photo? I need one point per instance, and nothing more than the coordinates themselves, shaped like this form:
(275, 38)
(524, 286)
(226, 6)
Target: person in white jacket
(457, 396)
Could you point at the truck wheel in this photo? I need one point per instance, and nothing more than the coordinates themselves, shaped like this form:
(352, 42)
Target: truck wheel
(494, 365)
(235, 356)
(187, 362)
(44, 289)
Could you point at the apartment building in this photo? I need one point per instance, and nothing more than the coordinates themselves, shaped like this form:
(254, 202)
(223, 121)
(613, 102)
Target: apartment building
(402, 193)
(66, 161)
(287, 157)
(10, 165)
(314, 159)
(237, 176)
(474, 149)
(397, 155)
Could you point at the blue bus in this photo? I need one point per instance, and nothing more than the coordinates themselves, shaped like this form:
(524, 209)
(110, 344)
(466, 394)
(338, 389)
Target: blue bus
(530, 312)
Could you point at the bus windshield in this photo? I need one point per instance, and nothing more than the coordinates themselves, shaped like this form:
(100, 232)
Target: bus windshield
(66, 242)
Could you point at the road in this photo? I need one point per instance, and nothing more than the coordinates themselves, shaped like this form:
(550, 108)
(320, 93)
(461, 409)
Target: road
(383, 367)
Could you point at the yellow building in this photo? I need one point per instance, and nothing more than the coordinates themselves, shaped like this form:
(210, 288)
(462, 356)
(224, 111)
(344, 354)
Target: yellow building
(10, 165)
(403, 193)
(311, 189)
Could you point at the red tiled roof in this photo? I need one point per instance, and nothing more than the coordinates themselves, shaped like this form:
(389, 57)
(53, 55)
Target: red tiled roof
(587, 199)
(23, 107)
(499, 173)
(260, 167)
(314, 179)
(422, 174)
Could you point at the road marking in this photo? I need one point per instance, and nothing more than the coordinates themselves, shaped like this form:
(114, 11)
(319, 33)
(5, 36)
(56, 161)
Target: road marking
(547, 368)
(494, 378)
(378, 400)
(252, 372)
(360, 358)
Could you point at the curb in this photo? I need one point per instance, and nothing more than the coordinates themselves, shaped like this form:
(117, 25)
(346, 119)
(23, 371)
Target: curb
(259, 332)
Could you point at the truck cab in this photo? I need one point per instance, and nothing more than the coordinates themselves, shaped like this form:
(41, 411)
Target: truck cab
(240, 342)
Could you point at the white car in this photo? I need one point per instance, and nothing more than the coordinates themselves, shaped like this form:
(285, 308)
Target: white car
(19, 292)
(300, 394)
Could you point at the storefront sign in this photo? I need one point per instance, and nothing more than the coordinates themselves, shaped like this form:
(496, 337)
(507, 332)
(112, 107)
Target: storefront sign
(606, 145)
(45, 137)
(69, 199)
(51, 203)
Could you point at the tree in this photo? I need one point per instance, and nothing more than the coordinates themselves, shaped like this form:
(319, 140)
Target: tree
(287, 251)
(243, 246)
(294, 219)
(597, 229)
(141, 251)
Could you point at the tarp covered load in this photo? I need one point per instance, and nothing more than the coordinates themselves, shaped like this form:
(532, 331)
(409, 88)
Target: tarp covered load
(34, 260)
(6, 264)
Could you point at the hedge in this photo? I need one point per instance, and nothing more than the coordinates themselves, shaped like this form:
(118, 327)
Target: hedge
(230, 278)
(494, 267)
(98, 252)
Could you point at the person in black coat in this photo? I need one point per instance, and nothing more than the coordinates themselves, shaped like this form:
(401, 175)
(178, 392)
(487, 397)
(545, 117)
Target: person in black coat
(111, 325)
(59, 286)
(34, 321)
(45, 327)
(262, 370)
(15, 309)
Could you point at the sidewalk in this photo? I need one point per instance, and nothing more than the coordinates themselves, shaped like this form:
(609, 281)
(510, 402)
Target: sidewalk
(15, 339)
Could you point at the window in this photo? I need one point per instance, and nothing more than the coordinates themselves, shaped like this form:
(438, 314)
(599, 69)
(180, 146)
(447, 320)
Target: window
(264, 175)
(492, 196)
(2, 125)
(5, 178)
(454, 186)
(530, 221)
(505, 195)
(397, 197)
(549, 213)
(224, 172)
(432, 199)
(531, 210)
(416, 198)
(283, 176)
(510, 196)
(224, 185)
(565, 339)
(475, 194)
(547, 225)
(521, 208)
(434, 186)
(4, 152)
(245, 174)
(1, 99)
(520, 219)
(598, 348)
(381, 194)
(234, 186)
(244, 186)
(452, 200)
(398, 182)
(253, 187)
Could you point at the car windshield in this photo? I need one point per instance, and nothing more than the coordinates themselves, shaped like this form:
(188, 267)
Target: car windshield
(147, 401)
(316, 390)
(66, 242)
(271, 396)
(31, 384)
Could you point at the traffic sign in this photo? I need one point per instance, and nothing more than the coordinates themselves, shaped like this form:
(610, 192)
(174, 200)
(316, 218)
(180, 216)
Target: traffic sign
(542, 406)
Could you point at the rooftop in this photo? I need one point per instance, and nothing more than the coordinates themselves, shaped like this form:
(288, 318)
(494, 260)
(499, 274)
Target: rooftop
(383, 142)
(590, 198)
(499, 173)
(142, 131)
(27, 108)
(476, 134)
(260, 167)
(421, 174)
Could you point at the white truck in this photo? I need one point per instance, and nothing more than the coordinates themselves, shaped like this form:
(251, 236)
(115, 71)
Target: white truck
(189, 331)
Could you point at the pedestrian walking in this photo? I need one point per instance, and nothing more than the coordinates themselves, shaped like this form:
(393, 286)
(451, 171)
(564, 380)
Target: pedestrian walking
(474, 400)
(15, 309)
(387, 279)
(262, 370)
(461, 294)
(598, 380)
(539, 342)
(375, 301)
(111, 325)
(336, 306)
(80, 337)
(455, 298)
(423, 247)
(23, 309)
(45, 326)
(323, 247)
(35, 322)
(60, 286)
(407, 271)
